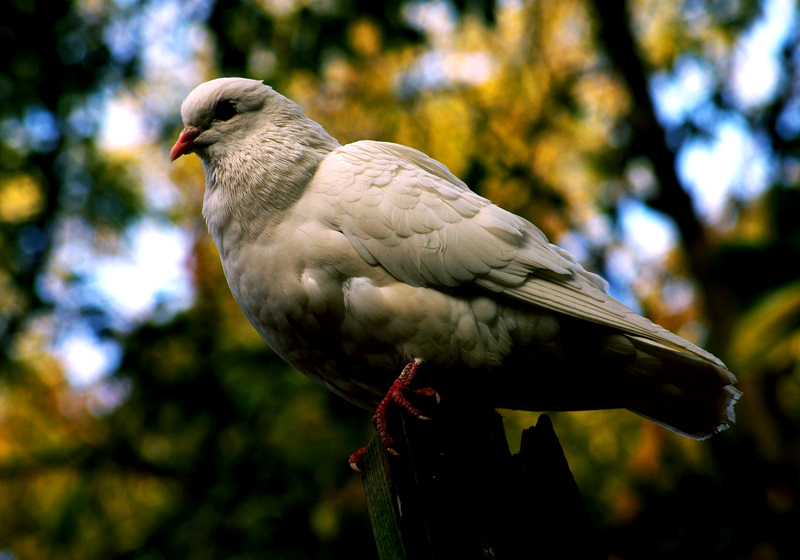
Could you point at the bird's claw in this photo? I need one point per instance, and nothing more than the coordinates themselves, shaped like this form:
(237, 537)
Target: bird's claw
(396, 395)
(355, 459)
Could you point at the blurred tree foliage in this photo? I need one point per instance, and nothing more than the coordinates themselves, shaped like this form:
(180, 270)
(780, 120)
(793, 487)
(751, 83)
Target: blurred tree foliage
(202, 443)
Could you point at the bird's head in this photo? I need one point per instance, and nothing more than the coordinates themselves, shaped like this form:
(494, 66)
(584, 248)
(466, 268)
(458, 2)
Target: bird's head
(223, 114)
(258, 149)
(219, 112)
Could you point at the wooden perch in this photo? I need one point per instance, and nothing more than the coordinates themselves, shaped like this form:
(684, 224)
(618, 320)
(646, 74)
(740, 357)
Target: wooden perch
(455, 491)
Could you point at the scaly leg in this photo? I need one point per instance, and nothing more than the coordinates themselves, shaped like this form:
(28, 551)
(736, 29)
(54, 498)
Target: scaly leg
(396, 396)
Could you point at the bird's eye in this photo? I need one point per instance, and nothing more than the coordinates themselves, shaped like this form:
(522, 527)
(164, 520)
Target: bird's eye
(225, 110)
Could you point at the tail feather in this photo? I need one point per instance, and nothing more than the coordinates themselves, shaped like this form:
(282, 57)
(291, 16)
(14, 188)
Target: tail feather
(687, 392)
(679, 390)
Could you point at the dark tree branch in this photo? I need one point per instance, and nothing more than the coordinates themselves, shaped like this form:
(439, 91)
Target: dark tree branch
(649, 140)
(455, 491)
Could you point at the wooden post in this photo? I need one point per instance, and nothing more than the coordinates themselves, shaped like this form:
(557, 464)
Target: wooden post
(455, 491)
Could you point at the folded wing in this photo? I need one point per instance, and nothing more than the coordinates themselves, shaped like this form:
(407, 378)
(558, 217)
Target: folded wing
(407, 213)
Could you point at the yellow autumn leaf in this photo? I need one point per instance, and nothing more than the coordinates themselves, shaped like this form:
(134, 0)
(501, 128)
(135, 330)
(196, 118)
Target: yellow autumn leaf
(21, 198)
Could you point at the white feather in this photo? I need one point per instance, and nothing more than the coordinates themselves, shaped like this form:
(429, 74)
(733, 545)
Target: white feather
(351, 259)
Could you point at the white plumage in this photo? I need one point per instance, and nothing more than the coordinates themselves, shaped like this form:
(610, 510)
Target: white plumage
(353, 260)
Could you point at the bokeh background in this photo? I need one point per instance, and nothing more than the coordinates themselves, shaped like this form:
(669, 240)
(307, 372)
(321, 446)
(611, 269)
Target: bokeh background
(141, 417)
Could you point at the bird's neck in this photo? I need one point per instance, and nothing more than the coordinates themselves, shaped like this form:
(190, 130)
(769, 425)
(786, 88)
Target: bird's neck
(249, 192)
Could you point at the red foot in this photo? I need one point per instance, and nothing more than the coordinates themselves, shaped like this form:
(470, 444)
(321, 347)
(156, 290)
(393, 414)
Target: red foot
(355, 459)
(396, 396)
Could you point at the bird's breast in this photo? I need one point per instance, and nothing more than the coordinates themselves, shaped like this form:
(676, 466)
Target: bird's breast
(351, 325)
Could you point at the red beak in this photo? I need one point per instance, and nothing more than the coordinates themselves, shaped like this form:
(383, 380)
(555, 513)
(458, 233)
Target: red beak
(185, 143)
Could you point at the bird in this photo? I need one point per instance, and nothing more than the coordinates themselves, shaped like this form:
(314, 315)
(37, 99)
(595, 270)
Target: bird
(361, 261)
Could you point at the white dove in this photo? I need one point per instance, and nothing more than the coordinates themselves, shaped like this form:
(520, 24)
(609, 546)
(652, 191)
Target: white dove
(354, 261)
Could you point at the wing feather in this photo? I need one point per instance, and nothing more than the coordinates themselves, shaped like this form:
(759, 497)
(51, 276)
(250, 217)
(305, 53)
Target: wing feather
(406, 212)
